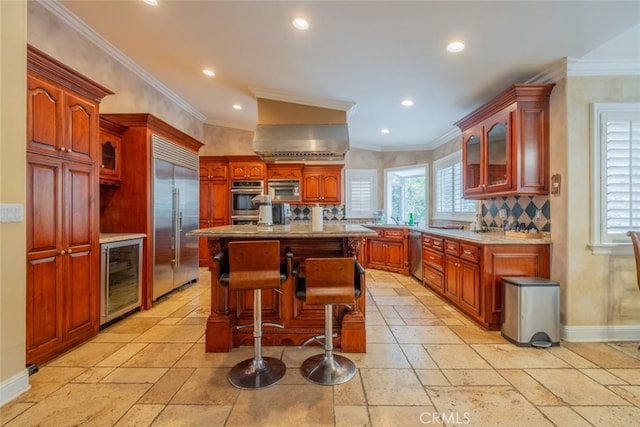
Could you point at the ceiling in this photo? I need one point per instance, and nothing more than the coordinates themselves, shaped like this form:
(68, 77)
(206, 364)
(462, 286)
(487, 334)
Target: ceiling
(369, 54)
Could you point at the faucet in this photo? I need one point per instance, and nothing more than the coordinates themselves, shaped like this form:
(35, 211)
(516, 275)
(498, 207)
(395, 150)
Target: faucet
(396, 219)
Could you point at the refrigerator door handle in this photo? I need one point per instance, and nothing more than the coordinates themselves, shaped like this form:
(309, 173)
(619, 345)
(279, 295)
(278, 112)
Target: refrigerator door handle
(177, 225)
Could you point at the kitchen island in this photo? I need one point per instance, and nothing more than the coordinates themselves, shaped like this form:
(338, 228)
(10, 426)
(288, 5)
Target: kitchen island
(300, 321)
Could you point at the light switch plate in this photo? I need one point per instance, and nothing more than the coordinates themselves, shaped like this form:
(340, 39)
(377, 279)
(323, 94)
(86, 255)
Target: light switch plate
(11, 212)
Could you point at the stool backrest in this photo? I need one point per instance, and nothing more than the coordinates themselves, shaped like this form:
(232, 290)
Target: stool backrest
(635, 240)
(330, 280)
(254, 265)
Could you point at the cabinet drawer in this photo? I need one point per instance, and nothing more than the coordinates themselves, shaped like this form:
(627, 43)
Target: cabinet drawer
(394, 233)
(427, 241)
(437, 244)
(433, 259)
(433, 277)
(470, 253)
(451, 247)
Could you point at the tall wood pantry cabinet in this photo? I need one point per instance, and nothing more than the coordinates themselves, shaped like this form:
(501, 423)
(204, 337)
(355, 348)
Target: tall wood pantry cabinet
(62, 217)
(214, 198)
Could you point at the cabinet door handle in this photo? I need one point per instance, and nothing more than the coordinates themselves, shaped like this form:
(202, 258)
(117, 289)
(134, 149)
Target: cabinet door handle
(467, 252)
(69, 150)
(69, 250)
(62, 252)
(63, 149)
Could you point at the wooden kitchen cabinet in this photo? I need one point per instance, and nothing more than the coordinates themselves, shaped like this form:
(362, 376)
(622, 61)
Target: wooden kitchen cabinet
(469, 275)
(505, 149)
(248, 168)
(322, 184)
(214, 199)
(389, 251)
(62, 213)
(110, 152)
(284, 171)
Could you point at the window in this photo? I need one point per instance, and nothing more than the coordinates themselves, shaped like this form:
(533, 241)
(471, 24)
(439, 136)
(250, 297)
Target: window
(449, 203)
(405, 193)
(361, 193)
(616, 168)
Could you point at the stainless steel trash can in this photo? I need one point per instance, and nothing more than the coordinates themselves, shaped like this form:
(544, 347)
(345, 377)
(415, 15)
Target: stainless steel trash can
(531, 311)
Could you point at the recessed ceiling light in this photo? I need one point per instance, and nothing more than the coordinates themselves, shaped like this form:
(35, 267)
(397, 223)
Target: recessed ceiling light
(151, 2)
(385, 131)
(455, 47)
(300, 23)
(237, 107)
(208, 72)
(407, 103)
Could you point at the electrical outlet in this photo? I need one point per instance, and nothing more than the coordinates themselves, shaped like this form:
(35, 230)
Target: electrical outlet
(538, 214)
(11, 212)
(503, 213)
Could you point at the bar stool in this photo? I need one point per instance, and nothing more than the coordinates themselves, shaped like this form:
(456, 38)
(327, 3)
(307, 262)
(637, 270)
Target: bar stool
(329, 281)
(255, 266)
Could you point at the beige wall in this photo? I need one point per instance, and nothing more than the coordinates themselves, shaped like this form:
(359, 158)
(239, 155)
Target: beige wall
(597, 290)
(13, 105)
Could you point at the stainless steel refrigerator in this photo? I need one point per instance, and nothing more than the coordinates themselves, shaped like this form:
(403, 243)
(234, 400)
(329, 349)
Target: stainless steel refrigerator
(175, 212)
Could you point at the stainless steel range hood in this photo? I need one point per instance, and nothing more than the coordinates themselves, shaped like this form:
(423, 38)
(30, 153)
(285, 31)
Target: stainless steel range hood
(301, 142)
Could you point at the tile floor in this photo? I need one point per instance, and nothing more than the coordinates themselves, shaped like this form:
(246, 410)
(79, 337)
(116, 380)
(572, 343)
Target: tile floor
(426, 364)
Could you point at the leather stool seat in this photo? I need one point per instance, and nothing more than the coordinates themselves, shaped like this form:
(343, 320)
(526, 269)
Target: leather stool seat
(329, 281)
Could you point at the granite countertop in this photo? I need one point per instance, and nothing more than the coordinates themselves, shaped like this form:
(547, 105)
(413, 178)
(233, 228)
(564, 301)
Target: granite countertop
(118, 237)
(291, 230)
(489, 237)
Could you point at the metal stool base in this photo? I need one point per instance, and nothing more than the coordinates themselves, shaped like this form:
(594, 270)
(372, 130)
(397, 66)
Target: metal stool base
(251, 374)
(328, 370)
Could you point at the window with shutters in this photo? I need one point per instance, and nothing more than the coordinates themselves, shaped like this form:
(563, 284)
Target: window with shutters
(616, 167)
(361, 193)
(449, 203)
(406, 194)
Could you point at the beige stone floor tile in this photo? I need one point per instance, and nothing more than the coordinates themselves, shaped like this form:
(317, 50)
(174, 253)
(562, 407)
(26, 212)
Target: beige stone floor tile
(403, 292)
(481, 406)
(158, 355)
(418, 357)
(284, 406)
(120, 356)
(349, 416)
(402, 416)
(133, 325)
(604, 355)
(631, 348)
(395, 321)
(473, 377)
(192, 416)
(82, 404)
(93, 375)
(414, 311)
(140, 415)
(380, 356)
(170, 321)
(12, 409)
(571, 358)
(574, 387)
(610, 415)
(602, 376)
(509, 356)
(167, 386)
(396, 301)
(193, 320)
(431, 377)
(207, 386)
(393, 387)
(631, 376)
(374, 318)
(564, 416)
(473, 334)
(134, 375)
(161, 309)
(379, 334)
(423, 322)
(113, 337)
(530, 388)
(200, 311)
(294, 356)
(47, 380)
(425, 335)
(171, 333)
(630, 393)
(183, 311)
(382, 292)
(388, 312)
(350, 393)
(87, 355)
(451, 321)
(456, 356)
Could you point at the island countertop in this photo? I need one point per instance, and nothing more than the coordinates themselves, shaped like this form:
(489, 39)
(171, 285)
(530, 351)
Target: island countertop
(302, 230)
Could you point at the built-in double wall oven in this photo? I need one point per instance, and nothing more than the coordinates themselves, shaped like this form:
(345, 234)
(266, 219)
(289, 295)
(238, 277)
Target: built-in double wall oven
(243, 211)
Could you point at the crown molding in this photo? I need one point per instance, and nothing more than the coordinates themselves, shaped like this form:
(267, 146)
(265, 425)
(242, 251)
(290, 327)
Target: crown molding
(276, 95)
(603, 67)
(55, 7)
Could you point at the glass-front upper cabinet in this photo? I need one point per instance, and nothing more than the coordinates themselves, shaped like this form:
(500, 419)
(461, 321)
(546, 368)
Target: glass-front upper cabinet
(472, 158)
(498, 173)
(110, 152)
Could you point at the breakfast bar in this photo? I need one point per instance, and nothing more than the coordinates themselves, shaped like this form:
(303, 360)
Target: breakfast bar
(300, 321)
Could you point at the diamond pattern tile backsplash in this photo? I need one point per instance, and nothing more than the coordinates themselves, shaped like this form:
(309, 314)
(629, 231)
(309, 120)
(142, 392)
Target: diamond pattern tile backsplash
(518, 208)
(303, 212)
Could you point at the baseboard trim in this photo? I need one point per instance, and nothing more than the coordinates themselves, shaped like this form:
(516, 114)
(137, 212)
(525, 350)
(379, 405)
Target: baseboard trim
(14, 386)
(609, 333)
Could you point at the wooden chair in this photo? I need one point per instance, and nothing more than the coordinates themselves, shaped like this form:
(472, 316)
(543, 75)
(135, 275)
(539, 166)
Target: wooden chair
(329, 281)
(635, 241)
(255, 265)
